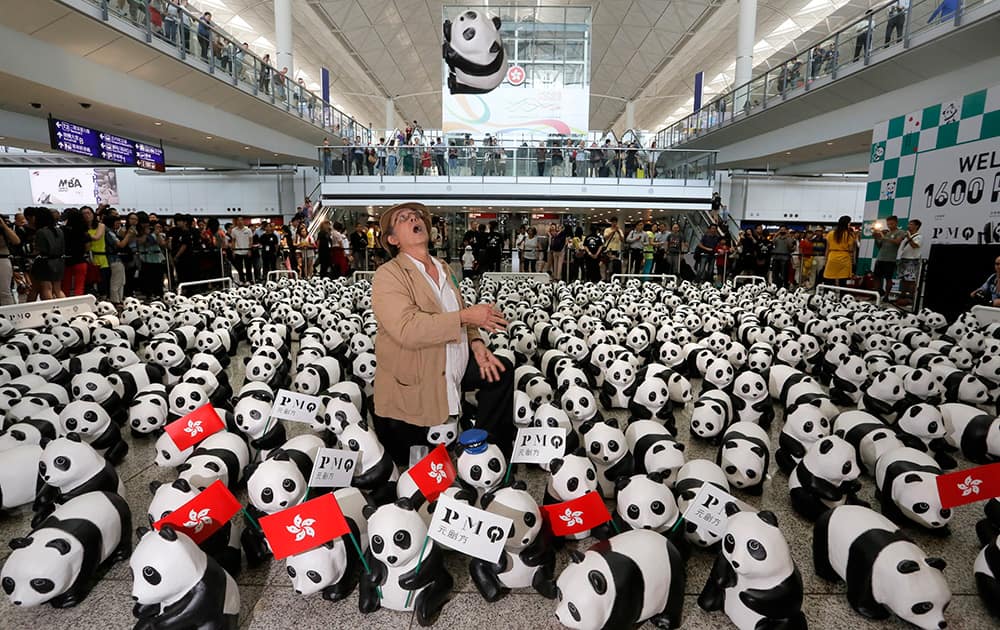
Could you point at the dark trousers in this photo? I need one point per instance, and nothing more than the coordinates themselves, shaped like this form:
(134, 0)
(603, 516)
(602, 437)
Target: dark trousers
(541, 169)
(243, 267)
(151, 279)
(439, 160)
(779, 271)
(593, 268)
(529, 265)
(860, 43)
(270, 262)
(495, 415)
(895, 23)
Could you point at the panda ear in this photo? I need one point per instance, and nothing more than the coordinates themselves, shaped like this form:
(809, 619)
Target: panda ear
(825, 446)
(404, 503)
(576, 556)
(74, 437)
(368, 511)
(612, 422)
(768, 517)
(213, 466)
(486, 500)
(154, 486)
(140, 532)
(496, 22)
(621, 483)
(20, 543)
(555, 465)
(586, 426)
(446, 27)
(597, 582)
(732, 508)
(937, 563)
(907, 566)
(59, 544)
(519, 485)
(911, 478)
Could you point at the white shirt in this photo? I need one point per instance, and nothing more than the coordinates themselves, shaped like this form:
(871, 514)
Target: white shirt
(242, 238)
(907, 251)
(456, 354)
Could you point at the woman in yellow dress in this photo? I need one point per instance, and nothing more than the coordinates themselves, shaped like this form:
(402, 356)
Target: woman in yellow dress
(840, 245)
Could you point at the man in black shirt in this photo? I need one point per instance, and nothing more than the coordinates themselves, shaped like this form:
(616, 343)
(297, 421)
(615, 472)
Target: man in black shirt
(269, 248)
(705, 253)
(494, 247)
(181, 248)
(594, 245)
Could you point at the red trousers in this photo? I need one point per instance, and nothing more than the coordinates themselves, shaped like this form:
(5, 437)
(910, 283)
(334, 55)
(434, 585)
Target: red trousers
(74, 279)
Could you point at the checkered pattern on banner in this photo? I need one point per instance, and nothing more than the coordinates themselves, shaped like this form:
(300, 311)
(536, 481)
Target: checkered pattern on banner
(897, 141)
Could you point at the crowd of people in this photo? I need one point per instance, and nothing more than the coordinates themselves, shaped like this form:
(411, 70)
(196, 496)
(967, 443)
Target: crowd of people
(410, 152)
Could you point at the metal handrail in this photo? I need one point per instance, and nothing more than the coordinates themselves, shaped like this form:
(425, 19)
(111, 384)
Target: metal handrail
(29, 314)
(540, 276)
(751, 279)
(818, 60)
(228, 282)
(831, 287)
(239, 59)
(357, 275)
(986, 315)
(282, 273)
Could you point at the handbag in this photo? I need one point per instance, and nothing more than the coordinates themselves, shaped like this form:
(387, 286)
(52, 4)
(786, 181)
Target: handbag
(371, 158)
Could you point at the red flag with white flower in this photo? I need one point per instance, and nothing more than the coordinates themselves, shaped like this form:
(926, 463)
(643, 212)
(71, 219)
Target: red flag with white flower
(434, 473)
(970, 485)
(203, 515)
(195, 427)
(304, 526)
(577, 515)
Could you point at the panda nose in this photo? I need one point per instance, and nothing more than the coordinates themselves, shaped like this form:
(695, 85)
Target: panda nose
(943, 625)
(135, 597)
(298, 592)
(17, 602)
(283, 503)
(736, 564)
(391, 559)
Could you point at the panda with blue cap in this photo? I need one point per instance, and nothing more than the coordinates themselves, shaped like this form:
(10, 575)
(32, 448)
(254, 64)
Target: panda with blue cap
(481, 465)
(474, 52)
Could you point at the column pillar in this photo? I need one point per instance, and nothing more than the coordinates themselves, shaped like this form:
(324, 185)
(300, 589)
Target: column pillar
(390, 115)
(629, 114)
(745, 35)
(283, 57)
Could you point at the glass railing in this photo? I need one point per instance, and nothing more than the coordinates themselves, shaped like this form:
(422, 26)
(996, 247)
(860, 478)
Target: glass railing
(605, 164)
(888, 26)
(203, 45)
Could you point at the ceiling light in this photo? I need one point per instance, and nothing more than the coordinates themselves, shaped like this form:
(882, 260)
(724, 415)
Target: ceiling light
(158, 124)
(829, 144)
(209, 138)
(788, 152)
(246, 148)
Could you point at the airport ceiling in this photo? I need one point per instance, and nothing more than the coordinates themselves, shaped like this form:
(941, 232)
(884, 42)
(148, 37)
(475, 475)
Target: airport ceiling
(645, 50)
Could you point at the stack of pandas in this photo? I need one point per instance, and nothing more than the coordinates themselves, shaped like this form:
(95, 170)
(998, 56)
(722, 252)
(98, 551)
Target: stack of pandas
(661, 390)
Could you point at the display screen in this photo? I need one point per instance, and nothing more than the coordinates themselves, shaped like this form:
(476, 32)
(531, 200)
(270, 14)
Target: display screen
(100, 145)
(74, 186)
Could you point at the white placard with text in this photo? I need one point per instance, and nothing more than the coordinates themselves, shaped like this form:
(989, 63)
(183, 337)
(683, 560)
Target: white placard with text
(296, 407)
(469, 530)
(708, 509)
(333, 468)
(538, 445)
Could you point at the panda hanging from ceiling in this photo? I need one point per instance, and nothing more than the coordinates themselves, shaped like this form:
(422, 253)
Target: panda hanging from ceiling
(474, 52)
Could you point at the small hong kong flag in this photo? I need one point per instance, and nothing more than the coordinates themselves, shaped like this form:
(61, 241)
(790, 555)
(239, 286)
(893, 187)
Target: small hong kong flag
(194, 427)
(577, 515)
(434, 473)
(203, 515)
(305, 526)
(970, 485)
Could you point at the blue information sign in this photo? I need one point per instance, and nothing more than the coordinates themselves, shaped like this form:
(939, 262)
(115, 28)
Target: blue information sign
(100, 145)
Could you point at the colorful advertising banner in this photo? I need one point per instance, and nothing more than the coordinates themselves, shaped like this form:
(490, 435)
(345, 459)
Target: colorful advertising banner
(74, 186)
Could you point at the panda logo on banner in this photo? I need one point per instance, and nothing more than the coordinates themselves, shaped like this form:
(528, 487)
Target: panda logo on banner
(474, 52)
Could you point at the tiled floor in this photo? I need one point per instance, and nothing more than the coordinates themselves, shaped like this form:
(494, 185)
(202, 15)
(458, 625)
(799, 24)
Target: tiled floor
(268, 601)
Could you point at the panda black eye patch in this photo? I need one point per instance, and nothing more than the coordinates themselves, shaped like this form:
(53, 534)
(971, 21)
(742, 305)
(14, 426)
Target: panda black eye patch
(402, 539)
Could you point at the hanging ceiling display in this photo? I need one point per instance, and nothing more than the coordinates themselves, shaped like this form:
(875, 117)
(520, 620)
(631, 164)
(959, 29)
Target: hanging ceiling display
(522, 73)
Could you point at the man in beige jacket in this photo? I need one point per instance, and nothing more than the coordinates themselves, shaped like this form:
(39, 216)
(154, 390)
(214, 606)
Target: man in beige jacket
(428, 347)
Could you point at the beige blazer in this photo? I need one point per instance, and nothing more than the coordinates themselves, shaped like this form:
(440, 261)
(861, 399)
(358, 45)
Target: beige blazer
(410, 345)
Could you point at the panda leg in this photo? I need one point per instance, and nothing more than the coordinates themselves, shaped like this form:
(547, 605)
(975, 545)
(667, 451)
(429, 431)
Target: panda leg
(795, 622)
(432, 599)
(806, 504)
(989, 592)
(231, 561)
(821, 549)
(484, 576)
(117, 452)
(544, 581)
(784, 461)
(987, 531)
(254, 547)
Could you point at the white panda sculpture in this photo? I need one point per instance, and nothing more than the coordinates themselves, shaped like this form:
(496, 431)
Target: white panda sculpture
(395, 548)
(92, 422)
(474, 52)
(224, 460)
(745, 455)
(64, 555)
(986, 569)
(570, 477)
(883, 396)
(750, 399)
(68, 468)
(149, 411)
(176, 585)
(18, 475)
(754, 578)
(332, 568)
(975, 433)
(632, 577)
(654, 449)
(870, 437)
(606, 446)
(712, 413)
(906, 487)
(528, 559)
(481, 466)
(645, 502)
(804, 424)
(375, 473)
(884, 571)
(223, 545)
(690, 478)
(825, 478)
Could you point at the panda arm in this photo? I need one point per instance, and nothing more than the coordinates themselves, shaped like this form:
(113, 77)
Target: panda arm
(430, 569)
(778, 601)
(722, 576)
(198, 606)
(368, 595)
(993, 559)
(540, 551)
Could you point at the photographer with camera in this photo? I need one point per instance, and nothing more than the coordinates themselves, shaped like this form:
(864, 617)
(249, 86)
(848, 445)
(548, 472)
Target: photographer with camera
(989, 293)
(8, 239)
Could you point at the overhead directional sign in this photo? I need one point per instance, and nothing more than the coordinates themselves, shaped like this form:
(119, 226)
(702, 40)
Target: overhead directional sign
(100, 145)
